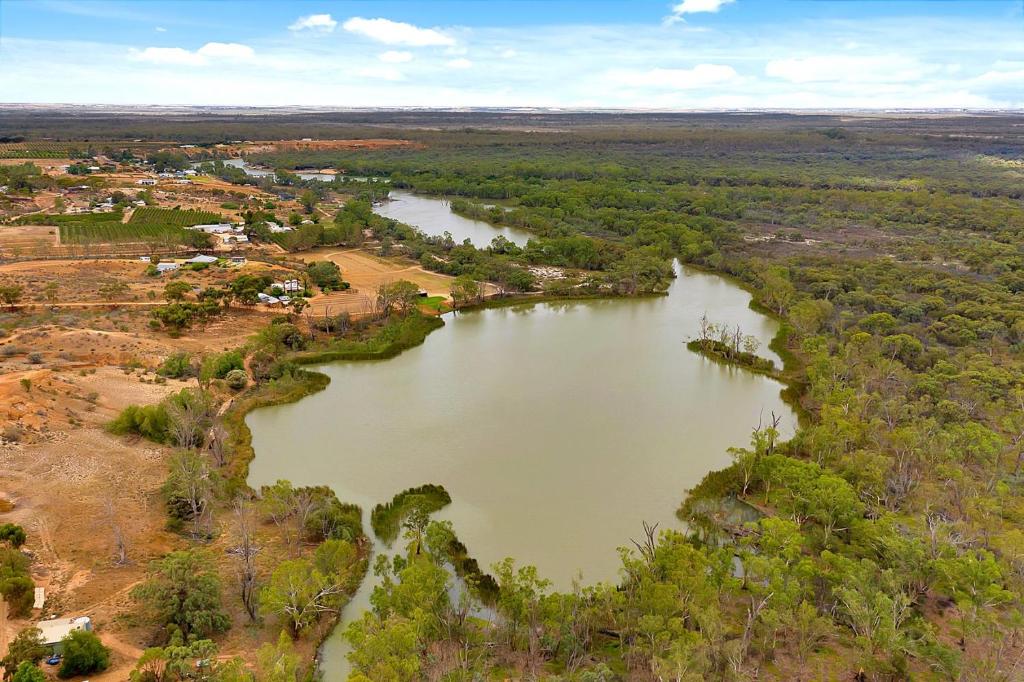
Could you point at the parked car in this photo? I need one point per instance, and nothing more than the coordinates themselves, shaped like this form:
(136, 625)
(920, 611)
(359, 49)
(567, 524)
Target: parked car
(53, 660)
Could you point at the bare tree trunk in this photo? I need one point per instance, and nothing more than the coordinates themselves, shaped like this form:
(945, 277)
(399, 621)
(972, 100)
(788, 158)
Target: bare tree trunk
(117, 531)
(246, 552)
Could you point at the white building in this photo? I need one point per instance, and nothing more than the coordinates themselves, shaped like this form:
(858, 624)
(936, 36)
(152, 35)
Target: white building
(54, 631)
(214, 228)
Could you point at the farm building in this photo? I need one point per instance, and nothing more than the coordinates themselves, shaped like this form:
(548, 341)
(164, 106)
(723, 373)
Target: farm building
(145, 181)
(54, 631)
(208, 260)
(287, 286)
(213, 228)
(266, 299)
(161, 268)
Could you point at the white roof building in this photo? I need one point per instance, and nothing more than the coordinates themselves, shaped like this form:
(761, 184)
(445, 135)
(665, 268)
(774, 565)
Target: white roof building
(57, 629)
(214, 228)
(202, 259)
(166, 267)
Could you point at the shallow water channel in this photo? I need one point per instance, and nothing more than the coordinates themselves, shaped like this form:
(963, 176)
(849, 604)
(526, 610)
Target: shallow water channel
(557, 428)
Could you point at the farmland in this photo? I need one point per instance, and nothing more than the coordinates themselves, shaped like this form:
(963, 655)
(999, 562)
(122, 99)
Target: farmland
(149, 216)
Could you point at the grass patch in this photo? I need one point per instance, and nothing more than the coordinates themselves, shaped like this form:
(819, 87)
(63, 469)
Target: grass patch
(386, 519)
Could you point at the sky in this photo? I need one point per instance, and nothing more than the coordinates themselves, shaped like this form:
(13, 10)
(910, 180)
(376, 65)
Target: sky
(630, 54)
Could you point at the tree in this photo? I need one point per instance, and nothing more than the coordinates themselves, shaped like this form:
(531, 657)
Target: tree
(28, 672)
(308, 199)
(188, 490)
(300, 594)
(83, 654)
(279, 662)
(383, 650)
(176, 291)
(325, 274)
(245, 551)
(401, 295)
(12, 534)
(467, 291)
(26, 647)
(189, 416)
(183, 589)
(10, 294)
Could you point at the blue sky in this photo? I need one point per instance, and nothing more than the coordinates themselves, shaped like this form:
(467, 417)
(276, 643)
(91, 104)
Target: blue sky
(680, 54)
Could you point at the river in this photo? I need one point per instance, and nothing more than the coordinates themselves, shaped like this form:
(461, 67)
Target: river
(558, 428)
(435, 217)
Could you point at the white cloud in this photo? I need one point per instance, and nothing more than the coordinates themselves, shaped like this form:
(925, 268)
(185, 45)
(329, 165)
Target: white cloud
(460, 63)
(169, 55)
(395, 57)
(700, 76)
(847, 69)
(695, 7)
(508, 54)
(226, 51)
(232, 52)
(396, 32)
(160, 29)
(322, 23)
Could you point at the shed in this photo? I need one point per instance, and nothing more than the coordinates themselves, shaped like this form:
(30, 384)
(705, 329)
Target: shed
(161, 268)
(201, 258)
(54, 631)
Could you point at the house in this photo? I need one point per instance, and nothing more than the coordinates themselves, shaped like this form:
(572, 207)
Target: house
(233, 238)
(277, 229)
(161, 268)
(201, 258)
(54, 631)
(288, 286)
(268, 300)
(213, 228)
(145, 181)
(238, 260)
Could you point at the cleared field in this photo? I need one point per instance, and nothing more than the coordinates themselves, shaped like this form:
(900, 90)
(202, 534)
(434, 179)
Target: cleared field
(27, 240)
(365, 272)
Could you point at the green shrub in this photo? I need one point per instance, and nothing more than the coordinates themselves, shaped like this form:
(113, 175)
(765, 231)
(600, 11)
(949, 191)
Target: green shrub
(16, 585)
(84, 653)
(12, 533)
(148, 421)
(176, 366)
(218, 366)
(237, 379)
(28, 672)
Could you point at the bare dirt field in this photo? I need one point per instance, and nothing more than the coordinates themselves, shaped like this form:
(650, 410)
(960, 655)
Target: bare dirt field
(120, 280)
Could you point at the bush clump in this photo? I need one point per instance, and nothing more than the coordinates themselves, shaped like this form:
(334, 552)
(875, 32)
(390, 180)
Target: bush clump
(84, 654)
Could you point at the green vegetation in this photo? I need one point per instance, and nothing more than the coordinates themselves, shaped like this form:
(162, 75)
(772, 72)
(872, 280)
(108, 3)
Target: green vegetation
(184, 591)
(148, 216)
(178, 419)
(16, 585)
(83, 654)
(27, 647)
(387, 518)
(12, 534)
(887, 541)
(325, 274)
